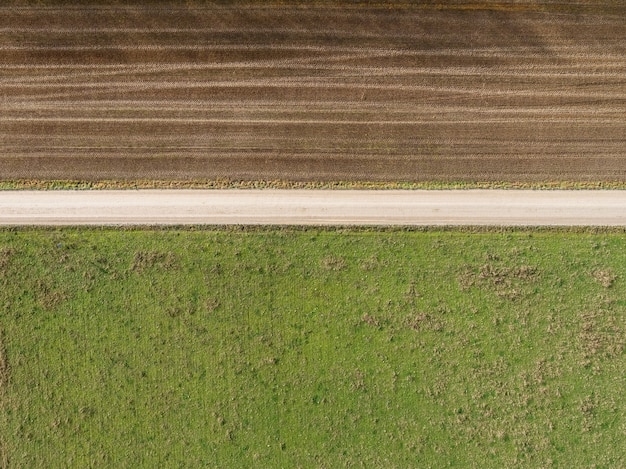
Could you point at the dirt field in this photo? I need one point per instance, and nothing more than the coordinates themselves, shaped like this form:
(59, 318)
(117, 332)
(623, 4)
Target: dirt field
(451, 91)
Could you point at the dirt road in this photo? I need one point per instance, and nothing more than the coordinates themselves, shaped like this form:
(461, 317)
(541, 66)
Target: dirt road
(318, 207)
(454, 90)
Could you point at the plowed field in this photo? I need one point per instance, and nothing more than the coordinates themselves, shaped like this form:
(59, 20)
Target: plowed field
(528, 91)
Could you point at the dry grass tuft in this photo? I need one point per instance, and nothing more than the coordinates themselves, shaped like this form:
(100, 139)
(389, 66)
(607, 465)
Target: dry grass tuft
(601, 336)
(587, 408)
(4, 367)
(334, 263)
(424, 321)
(5, 258)
(505, 281)
(144, 260)
(503, 275)
(372, 263)
(358, 382)
(212, 304)
(606, 277)
(370, 320)
(48, 296)
(412, 293)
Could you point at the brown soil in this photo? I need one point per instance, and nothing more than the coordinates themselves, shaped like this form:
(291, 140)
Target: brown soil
(438, 91)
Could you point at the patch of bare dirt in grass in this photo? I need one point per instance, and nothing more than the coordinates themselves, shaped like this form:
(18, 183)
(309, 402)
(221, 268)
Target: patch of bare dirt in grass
(49, 296)
(4, 366)
(424, 321)
(506, 281)
(144, 260)
(601, 337)
(334, 263)
(605, 277)
(212, 304)
(5, 258)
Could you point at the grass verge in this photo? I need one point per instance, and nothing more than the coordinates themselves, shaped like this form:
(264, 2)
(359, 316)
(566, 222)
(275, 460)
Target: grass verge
(311, 347)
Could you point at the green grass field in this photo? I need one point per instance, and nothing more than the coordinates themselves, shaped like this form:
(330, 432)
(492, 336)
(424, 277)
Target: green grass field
(312, 348)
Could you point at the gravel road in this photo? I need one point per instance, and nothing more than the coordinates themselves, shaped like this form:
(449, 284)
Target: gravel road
(313, 207)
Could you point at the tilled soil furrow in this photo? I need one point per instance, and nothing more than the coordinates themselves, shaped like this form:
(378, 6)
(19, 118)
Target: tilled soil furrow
(454, 91)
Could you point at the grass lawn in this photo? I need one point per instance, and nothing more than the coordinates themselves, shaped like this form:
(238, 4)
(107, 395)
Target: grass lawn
(312, 348)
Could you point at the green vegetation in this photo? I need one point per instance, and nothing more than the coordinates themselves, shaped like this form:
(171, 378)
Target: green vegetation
(24, 184)
(312, 348)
